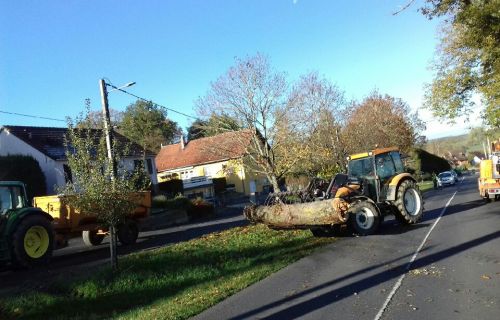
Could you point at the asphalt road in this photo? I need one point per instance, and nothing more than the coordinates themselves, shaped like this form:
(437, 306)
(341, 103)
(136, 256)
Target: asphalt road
(445, 267)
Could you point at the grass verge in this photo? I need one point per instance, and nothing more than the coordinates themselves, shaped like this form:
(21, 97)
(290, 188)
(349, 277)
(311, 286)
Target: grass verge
(425, 186)
(173, 282)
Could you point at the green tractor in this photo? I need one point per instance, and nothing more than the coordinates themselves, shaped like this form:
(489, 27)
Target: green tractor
(26, 233)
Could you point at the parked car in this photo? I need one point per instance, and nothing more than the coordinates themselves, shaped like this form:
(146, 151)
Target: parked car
(455, 174)
(446, 178)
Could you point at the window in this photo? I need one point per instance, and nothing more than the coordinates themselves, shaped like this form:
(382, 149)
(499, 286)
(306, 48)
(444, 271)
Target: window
(361, 168)
(18, 197)
(68, 176)
(396, 157)
(385, 166)
(149, 165)
(5, 199)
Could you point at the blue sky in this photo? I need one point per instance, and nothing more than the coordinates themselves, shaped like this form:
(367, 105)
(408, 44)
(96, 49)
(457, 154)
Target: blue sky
(52, 53)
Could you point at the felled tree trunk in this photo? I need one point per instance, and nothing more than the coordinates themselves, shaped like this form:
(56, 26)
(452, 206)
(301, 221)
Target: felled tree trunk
(299, 215)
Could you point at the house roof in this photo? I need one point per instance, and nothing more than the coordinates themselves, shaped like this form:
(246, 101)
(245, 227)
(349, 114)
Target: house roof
(50, 140)
(225, 146)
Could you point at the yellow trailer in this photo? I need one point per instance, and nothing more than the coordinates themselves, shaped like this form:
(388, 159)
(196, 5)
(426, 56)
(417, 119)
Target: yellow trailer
(68, 220)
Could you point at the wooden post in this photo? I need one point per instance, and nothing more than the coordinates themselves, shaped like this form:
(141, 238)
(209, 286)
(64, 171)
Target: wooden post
(107, 126)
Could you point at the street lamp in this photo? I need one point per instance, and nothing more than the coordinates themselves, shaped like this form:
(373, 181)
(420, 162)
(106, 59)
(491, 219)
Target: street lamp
(126, 85)
(109, 137)
(107, 121)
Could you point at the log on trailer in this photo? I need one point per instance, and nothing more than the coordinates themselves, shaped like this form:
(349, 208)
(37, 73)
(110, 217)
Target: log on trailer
(300, 215)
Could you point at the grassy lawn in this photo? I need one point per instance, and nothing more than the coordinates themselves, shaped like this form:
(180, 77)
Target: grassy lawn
(425, 186)
(173, 282)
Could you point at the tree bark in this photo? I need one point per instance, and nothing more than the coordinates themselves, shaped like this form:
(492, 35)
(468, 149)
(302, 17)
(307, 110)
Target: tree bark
(112, 248)
(299, 215)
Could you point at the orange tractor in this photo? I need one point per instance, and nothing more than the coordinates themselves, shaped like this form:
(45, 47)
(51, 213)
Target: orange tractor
(375, 185)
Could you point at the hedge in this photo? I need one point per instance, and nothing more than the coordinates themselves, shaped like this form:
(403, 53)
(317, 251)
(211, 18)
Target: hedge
(428, 163)
(25, 169)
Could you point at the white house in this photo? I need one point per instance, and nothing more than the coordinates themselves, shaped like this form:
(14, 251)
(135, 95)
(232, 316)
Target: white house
(46, 145)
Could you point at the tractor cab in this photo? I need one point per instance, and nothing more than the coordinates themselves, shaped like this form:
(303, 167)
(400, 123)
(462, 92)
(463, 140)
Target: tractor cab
(375, 170)
(12, 196)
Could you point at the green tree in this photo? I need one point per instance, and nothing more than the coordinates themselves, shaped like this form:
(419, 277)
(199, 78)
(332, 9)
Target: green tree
(196, 130)
(96, 189)
(147, 124)
(468, 60)
(215, 124)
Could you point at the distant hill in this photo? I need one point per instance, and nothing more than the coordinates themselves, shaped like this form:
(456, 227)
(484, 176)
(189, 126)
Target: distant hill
(461, 144)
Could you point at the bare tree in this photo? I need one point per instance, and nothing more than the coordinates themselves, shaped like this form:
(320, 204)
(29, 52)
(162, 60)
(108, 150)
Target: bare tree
(252, 94)
(293, 132)
(316, 109)
(93, 119)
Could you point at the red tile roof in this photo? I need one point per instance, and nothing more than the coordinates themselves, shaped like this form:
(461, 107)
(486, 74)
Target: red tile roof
(225, 146)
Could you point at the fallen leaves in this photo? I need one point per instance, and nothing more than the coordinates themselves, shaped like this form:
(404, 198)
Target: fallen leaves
(431, 271)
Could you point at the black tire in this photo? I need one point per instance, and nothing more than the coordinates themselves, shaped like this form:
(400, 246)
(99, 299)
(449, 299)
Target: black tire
(128, 232)
(37, 232)
(364, 218)
(326, 231)
(487, 197)
(91, 238)
(409, 211)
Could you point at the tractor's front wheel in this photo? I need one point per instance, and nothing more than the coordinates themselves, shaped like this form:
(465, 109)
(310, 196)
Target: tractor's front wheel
(409, 203)
(364, 218)
(32, 242)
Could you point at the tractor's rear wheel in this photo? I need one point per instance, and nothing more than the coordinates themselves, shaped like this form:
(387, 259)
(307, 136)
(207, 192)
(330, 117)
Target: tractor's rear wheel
(364, 218)
(128, 232)
(91, 238)
(32, 242)
(409, 203)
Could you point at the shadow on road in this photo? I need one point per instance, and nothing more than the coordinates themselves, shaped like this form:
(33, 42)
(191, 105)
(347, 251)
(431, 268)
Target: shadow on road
(316, 303)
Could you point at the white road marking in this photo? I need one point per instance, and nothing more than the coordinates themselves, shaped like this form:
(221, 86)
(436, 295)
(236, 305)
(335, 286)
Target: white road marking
(408, 266)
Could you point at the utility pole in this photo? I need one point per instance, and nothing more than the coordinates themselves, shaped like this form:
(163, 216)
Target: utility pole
(107, 126)
(109, 146)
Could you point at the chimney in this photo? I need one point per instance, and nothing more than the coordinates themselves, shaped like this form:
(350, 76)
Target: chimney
(183, 144)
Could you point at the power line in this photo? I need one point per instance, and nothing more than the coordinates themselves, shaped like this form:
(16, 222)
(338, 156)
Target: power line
(147, 100)
(31, 116)
(131, 94)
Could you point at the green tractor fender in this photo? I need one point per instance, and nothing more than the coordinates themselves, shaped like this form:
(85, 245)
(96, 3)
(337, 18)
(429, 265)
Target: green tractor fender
(8, 225)
(15, 217)
(395, 183)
